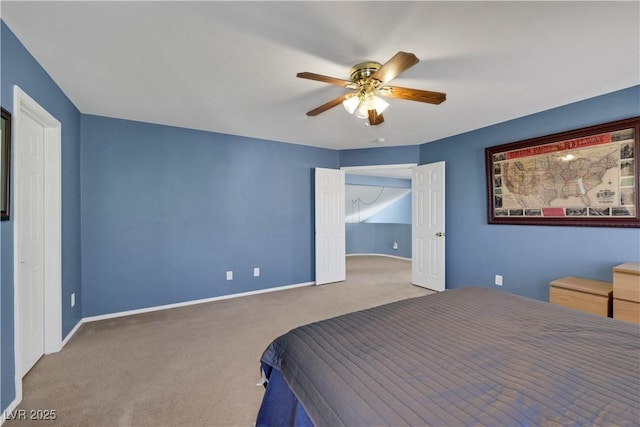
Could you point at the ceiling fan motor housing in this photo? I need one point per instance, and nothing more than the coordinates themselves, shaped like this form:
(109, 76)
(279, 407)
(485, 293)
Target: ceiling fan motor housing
(364, 70)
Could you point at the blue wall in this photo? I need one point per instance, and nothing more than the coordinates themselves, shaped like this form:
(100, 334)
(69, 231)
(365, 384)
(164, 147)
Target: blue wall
(20, 68)
(364, 238)
(167, 211)
(376, 234)
(380, 156)
(398, 212)
(528, 257)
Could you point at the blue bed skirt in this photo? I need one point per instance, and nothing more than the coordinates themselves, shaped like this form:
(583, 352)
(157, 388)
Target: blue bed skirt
(280, 407)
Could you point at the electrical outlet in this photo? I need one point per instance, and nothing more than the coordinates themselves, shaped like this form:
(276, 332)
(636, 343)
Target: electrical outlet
(73, 299)
(256, 272)
(498, 280)
(229, 275)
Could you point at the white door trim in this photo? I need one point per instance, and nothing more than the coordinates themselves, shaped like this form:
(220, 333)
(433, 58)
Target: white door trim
(23, 104)
(330, 237)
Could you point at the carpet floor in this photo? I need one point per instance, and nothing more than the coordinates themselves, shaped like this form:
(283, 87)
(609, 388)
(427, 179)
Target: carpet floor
(196, 365)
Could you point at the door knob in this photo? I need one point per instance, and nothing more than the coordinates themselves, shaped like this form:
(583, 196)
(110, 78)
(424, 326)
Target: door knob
(440, 234)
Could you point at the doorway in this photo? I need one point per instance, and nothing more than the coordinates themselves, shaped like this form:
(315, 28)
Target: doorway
(427, 229)
(37, 236)
(378, 210)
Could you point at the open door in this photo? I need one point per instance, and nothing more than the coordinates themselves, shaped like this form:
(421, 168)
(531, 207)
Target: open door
(428, 236)
(330, 226)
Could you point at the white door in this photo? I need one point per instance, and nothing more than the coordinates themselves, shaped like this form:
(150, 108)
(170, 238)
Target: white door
(427, 205)
(31, 249)
(330, 226)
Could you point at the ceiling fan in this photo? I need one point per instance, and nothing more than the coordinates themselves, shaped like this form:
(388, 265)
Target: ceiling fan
(368, 80)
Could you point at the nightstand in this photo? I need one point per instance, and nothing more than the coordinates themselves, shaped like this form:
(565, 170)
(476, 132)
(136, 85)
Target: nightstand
(592, 296)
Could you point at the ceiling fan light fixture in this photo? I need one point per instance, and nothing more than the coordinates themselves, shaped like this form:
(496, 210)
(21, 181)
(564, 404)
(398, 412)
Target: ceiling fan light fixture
(362, 112)
(379, 104)
(364, 104)
(351, 103)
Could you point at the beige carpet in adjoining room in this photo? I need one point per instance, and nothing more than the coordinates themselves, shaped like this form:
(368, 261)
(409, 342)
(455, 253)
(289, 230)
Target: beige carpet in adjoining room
(196, 365)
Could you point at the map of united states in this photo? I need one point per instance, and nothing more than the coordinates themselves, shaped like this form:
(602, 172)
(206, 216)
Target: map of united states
(538, 181)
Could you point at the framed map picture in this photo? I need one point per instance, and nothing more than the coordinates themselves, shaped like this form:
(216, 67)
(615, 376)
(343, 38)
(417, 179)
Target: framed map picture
(584, 177)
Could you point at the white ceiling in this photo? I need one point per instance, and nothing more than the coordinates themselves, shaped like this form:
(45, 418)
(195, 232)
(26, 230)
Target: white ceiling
(231, 67)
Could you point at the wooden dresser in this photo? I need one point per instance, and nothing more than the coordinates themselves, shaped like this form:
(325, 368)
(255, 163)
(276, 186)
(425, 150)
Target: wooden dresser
(592, 296)
(626, 292)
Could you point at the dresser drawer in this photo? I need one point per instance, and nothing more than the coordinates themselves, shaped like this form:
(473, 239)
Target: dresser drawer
(627, 311)
(626, 281)
(592, 296)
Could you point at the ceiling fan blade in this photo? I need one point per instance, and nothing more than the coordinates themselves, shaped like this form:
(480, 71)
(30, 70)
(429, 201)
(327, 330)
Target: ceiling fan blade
(375, 118)
(400, 62)
(328, 105)
(325, 79)
(413, 94)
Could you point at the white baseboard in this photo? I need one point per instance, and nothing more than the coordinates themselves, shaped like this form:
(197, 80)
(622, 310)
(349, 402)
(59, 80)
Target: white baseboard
(13, 405)
(176, 305)
(384, 255)
(9, 411)
(72, 333)
(186, 303)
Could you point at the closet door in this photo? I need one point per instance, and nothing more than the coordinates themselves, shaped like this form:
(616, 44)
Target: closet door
(330, 226)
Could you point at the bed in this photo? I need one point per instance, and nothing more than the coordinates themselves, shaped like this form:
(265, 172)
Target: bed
(472, 356)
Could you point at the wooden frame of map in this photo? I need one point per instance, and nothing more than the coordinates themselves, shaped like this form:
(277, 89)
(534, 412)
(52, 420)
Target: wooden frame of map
(5, 164)
(584, 177)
